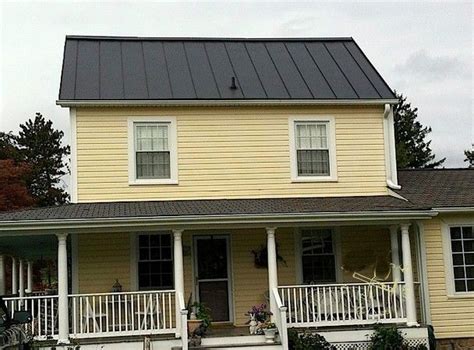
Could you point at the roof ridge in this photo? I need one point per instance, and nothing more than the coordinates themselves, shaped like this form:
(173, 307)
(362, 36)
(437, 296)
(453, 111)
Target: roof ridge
(171, 38)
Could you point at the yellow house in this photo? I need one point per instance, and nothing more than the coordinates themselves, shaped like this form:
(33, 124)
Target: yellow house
(235, 173)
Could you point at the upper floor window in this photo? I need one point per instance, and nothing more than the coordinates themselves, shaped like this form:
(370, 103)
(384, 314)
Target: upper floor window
(152, 151)
(462, 250)
(312, 149)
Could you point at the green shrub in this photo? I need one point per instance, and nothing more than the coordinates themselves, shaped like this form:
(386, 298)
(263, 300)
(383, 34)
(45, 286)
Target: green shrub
(387, 338)
(307, 341)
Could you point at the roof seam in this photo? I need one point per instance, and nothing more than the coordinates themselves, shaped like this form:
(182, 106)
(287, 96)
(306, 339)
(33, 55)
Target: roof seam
(320, 71)
(167, 69)
(144, 70)
(121, 70)
(212, 70)
(189, 70)
(277, 70)
(340, 69)
(255, 69)
(75, 69)
(100, 59)
(299, 72)
(233, 70)
(363, 72)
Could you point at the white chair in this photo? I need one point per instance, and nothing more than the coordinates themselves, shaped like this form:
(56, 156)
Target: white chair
(89, 315)
(150, 314)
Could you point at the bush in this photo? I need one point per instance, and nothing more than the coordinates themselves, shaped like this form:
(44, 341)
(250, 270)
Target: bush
(307, 341)
(390, 338)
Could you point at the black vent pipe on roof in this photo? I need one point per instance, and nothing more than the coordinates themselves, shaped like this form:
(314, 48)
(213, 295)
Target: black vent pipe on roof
(232, 84)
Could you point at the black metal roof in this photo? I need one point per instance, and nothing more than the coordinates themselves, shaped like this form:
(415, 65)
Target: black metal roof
(132, 68)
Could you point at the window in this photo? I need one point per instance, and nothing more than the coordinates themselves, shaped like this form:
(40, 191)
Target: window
(313, 153)
(318, 257)
(462, 250)
(155, 261)
(152, 151)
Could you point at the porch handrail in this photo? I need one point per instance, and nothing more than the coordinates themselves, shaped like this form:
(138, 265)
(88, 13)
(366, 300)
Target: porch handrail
(184, 320)
(344, 304)
(337, 284)
(122, 293)
(280, 319)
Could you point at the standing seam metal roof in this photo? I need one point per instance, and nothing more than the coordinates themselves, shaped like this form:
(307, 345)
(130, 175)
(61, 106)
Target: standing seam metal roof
(129, 68)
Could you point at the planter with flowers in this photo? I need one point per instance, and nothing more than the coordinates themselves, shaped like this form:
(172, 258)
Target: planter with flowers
(259, 315)
(269, 330)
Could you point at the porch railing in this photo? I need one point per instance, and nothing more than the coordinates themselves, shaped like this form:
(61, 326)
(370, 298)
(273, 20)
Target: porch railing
(44, 312)
(344, 304)
(122, 314)
(280, 319)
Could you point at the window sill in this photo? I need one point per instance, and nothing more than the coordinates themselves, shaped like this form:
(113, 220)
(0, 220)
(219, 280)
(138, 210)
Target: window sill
(465, 295)
(314, 179)
(153, 182)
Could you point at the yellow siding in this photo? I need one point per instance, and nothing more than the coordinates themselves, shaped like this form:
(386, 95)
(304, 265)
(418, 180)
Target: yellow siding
(451, 317)
(233, 152)
(101, 259)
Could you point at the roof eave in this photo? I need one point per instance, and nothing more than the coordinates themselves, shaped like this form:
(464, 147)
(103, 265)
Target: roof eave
(196, 102)
(191, 222)
(454, 209)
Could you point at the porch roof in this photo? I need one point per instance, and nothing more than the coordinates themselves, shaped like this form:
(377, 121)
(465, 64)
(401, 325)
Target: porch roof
(212, 208)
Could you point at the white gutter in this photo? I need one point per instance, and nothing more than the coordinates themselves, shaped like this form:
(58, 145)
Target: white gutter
(177, 103)
(188, 222)
(390, 150)
(455, 210)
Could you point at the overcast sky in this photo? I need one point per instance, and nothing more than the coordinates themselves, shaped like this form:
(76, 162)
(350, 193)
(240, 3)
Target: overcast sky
(423, 49)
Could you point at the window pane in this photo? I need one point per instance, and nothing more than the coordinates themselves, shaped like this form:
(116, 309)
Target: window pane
(470, 285)
(460, 285)
(467, 232)
(151, 137)
(458, 259)
(153, 165)
(469, 245)
(470, 272)
(455, 232)
(459, 272)
(456, 246)
(313, 162)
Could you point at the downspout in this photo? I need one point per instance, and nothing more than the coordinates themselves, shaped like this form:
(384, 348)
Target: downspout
(390, 153)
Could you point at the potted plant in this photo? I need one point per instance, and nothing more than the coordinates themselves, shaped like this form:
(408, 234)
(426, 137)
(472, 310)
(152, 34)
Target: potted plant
(269, 330)
(199, 319)
(258, 315)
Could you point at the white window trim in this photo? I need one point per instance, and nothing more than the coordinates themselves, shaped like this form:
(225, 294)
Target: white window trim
(173, 147)
(336, 246)
(448, 255)
(331, 134)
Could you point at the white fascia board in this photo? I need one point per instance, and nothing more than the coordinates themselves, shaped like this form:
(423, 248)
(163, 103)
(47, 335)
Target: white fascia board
(176, 103)
(190, 222)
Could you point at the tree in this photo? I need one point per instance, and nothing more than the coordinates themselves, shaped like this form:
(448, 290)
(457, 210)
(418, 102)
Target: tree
(14, 191)
(469, 157)
(413, 151)
(40, 147)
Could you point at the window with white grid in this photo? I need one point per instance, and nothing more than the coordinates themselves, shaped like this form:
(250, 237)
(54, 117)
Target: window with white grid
(152, 151)
(155, 261)
(318, 256)
(462, 250)
(312, 149)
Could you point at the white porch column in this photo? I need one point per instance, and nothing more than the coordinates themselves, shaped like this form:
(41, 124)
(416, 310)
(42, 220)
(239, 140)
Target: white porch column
(272, 267)
(408, 276)
(29, 279)
(178, 275)
(21, 273)
(63, 314)
(14, 276)
(396, 272)
(2, 275)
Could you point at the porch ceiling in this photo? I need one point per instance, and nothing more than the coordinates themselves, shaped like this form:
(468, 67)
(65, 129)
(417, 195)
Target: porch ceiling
(29, 247)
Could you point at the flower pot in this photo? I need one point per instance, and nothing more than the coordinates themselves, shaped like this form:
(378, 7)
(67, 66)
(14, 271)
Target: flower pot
(193, 325)
(270, 335)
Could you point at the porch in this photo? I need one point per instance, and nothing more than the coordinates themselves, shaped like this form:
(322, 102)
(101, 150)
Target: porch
(364, 282)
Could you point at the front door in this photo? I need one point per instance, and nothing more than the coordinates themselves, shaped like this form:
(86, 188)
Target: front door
(212, 275)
